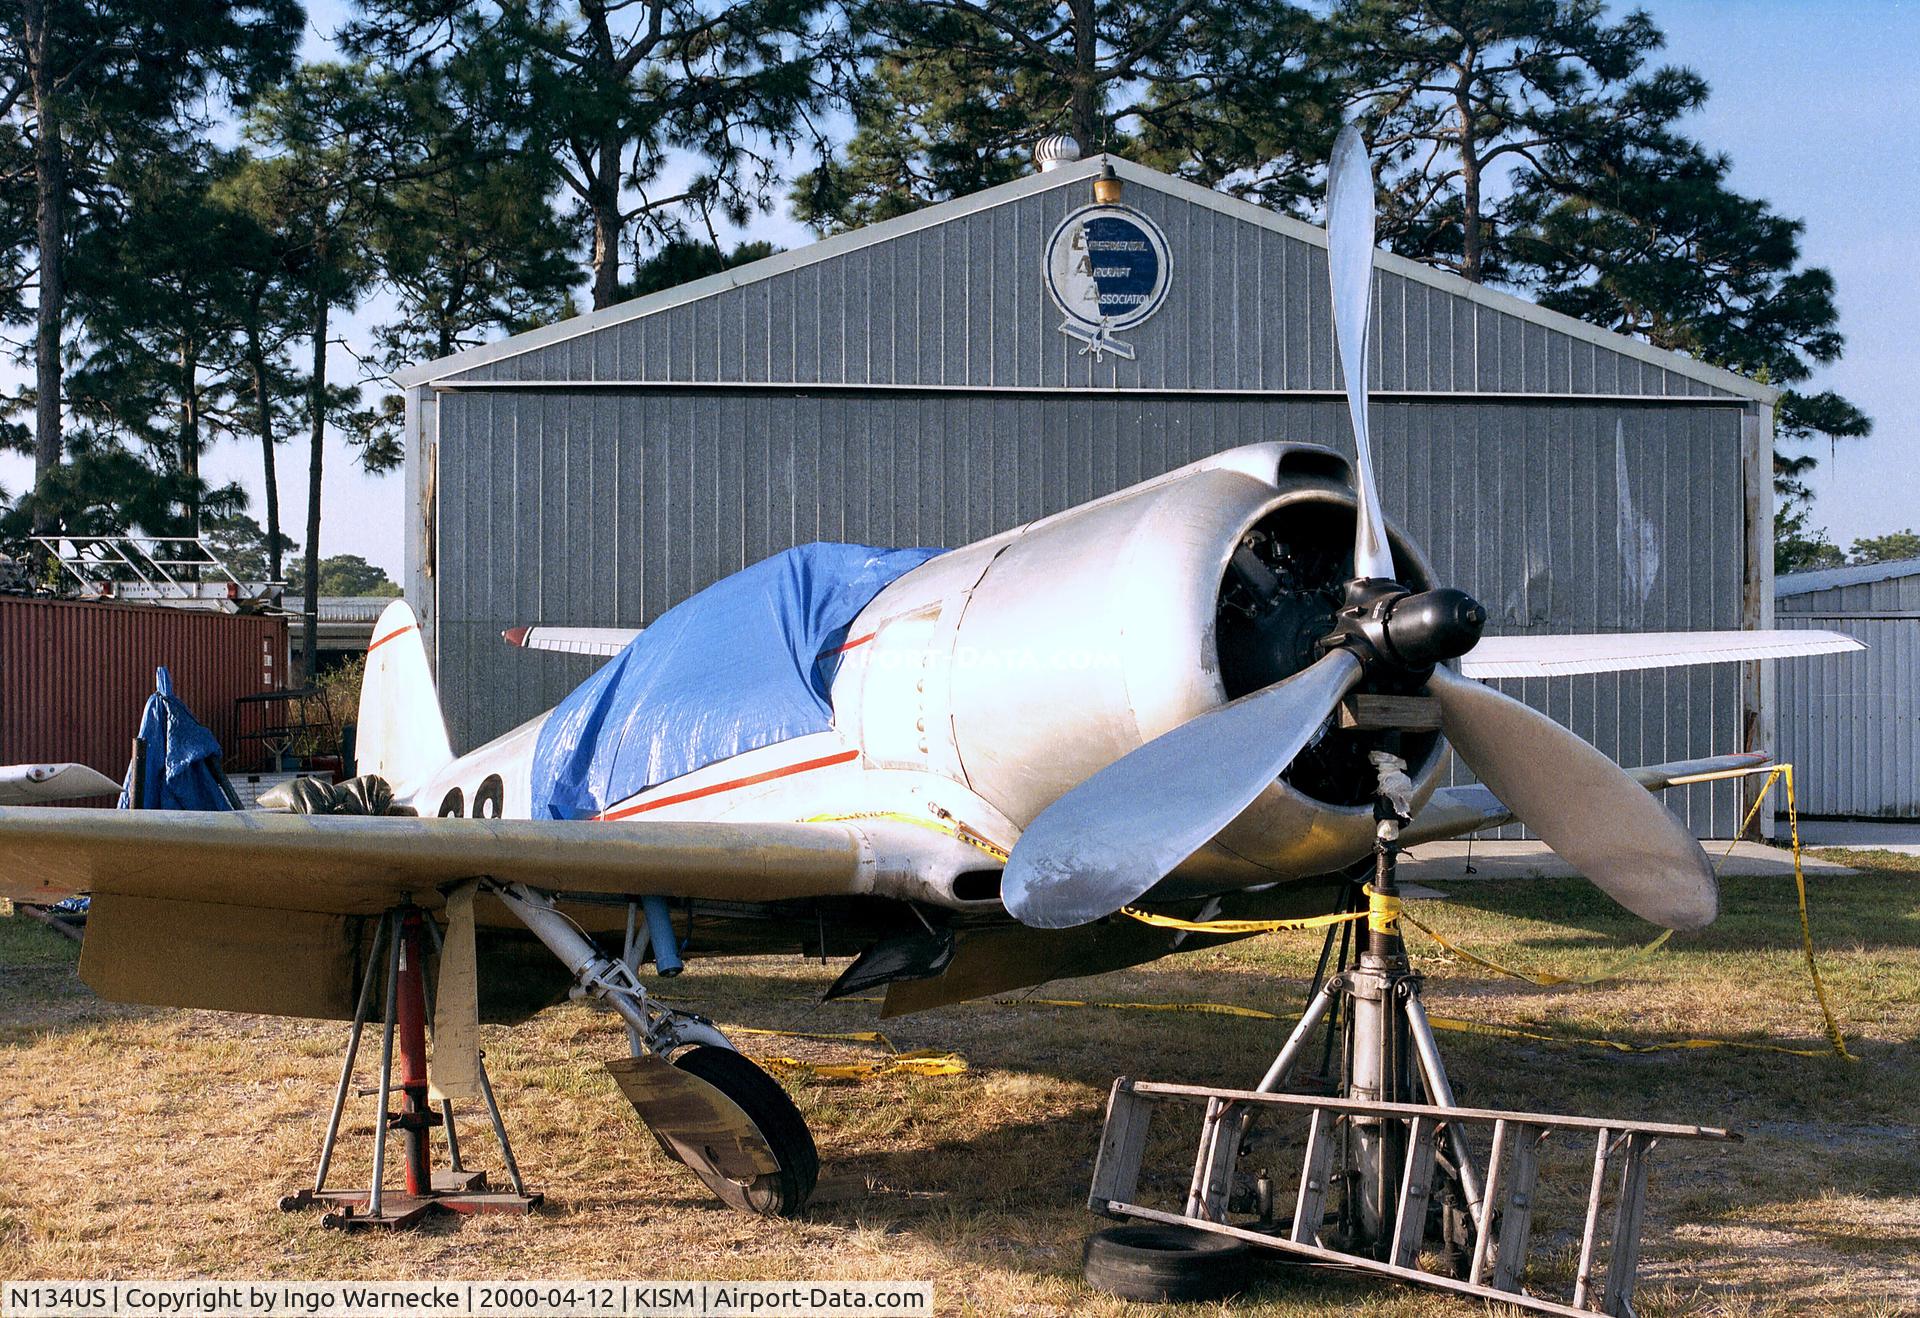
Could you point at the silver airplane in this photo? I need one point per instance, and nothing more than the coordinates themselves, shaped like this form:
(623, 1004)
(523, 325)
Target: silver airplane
(1165, 698)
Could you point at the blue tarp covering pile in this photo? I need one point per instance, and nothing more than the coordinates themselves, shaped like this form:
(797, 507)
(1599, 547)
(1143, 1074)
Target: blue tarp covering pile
(745, 663)
(181, 756)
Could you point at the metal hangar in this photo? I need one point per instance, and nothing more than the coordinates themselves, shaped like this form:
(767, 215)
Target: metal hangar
(1851, 722)
(936, 378)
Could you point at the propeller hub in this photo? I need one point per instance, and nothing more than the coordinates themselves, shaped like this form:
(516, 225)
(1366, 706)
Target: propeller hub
(1390, 627)
(1434, 626)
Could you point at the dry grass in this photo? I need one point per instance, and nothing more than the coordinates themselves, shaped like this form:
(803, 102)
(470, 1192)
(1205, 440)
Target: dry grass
(155, 1143)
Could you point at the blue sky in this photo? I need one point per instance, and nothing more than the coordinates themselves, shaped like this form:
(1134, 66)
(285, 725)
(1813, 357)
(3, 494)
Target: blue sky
(1819, 107)
(1817, 103)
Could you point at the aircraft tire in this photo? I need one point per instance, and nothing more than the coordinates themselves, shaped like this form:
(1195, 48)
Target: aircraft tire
(1159, 1264)
(781, 1193)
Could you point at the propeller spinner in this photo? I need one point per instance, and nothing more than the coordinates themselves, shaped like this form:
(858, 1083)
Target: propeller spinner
(1113, 837)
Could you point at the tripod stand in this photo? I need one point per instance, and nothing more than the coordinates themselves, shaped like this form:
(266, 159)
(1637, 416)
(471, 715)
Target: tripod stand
(1387, 1045)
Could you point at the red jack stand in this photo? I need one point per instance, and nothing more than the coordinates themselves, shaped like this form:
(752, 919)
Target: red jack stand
(456, 1189)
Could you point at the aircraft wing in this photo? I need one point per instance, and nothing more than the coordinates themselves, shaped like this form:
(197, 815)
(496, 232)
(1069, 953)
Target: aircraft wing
(352, 865)
(1607, 652)
(1457, 811)
(264, 912)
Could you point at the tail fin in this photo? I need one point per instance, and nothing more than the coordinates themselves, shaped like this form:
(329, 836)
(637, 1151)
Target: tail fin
(402, 734)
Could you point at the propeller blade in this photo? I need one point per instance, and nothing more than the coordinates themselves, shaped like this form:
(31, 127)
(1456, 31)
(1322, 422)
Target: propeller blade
(1123, 830)
(1350, 271)
(1582, 804)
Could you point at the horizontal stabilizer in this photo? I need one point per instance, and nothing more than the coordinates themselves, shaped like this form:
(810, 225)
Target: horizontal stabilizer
(603, 641)
(24, 784)
(1609, 652)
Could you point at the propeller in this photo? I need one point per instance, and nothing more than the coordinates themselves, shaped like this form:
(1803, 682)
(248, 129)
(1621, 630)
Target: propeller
(1350, 270)
(1124, 829)
(1112, 838)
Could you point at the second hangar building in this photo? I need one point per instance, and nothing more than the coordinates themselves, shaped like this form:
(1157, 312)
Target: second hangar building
(943, 376)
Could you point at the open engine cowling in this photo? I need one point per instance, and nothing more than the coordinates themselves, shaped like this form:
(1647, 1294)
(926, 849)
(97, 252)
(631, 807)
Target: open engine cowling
(1024, 664)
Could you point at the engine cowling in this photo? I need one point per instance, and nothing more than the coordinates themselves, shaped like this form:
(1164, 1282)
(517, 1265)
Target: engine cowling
(1023, 664)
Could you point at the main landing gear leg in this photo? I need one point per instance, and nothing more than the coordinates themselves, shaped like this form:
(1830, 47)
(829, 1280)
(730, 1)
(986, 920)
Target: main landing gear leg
(728, 1121)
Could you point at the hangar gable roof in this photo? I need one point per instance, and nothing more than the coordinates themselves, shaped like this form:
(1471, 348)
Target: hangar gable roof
(951, 296)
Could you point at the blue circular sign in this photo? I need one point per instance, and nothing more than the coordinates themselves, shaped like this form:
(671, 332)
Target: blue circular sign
(1107, 268)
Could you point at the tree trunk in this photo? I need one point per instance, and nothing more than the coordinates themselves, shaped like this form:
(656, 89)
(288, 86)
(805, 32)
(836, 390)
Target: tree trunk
(50, 204)
(190, 434)
(263, 420)
(316, 455)
(605, 205)
(1085, 106)
(1472, 235)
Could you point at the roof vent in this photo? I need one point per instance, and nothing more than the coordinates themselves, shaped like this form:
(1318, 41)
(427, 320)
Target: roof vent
(1055, 150)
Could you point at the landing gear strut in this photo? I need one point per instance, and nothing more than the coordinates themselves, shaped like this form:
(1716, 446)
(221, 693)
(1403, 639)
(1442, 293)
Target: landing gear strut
(728, 1121)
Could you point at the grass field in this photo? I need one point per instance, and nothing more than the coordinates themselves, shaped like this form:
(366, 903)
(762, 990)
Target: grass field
(155, 1143)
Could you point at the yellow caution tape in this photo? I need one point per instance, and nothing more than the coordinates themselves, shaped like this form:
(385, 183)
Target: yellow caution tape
(1383, 911)
(1201, 1008)
(1240, 926)
(923, 1062)
(1671, 1045)
(1438, 1022)
(1546, 979)
(1775, 774)
(954, 829)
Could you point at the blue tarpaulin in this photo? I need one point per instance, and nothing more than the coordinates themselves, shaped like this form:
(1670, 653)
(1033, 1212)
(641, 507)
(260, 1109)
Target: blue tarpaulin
(745, 663)
(181, 756)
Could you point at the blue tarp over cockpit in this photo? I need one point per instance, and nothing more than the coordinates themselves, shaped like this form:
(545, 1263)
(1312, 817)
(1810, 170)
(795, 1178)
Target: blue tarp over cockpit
(743, 664)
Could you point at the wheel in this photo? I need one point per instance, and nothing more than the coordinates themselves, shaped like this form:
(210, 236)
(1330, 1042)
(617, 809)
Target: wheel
(781, 1193)
(1157, 1264)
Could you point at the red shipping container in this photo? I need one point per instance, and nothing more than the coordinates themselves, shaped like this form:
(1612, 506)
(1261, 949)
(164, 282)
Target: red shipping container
(75, 676)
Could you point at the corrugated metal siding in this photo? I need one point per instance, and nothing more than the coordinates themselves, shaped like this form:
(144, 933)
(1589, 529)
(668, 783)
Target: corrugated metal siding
(74, 677)
(1895, 595)
(1850, 723)
(964, 304)
(608, 506)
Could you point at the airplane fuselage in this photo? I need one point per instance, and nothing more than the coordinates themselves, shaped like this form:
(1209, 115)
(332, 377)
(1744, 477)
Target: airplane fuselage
(978, 687)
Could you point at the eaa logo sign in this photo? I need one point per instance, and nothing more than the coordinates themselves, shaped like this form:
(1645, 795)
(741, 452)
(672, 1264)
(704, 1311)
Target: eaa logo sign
(1107, 268)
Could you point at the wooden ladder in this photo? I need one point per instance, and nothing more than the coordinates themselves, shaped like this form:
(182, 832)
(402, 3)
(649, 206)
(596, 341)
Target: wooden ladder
(1502, 1228)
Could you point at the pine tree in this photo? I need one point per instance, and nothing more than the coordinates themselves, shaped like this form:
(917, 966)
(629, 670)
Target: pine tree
(83, 82)
(154, 287)
(1531, 143)
(952, 95)
(327, 142)
(654, 114)
(468, 242)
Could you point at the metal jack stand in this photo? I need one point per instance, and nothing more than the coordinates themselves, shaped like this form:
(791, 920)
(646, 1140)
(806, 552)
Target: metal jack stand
(403, 931)
(1387, 1041)
(1387, 1137)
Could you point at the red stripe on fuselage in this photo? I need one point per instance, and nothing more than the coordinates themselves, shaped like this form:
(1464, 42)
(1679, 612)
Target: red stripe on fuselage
(855, 643)
(695, 794)
(392, 636)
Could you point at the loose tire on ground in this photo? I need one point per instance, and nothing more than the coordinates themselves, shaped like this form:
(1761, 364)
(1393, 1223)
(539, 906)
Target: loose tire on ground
(1156, 1264)
(781, 1193)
